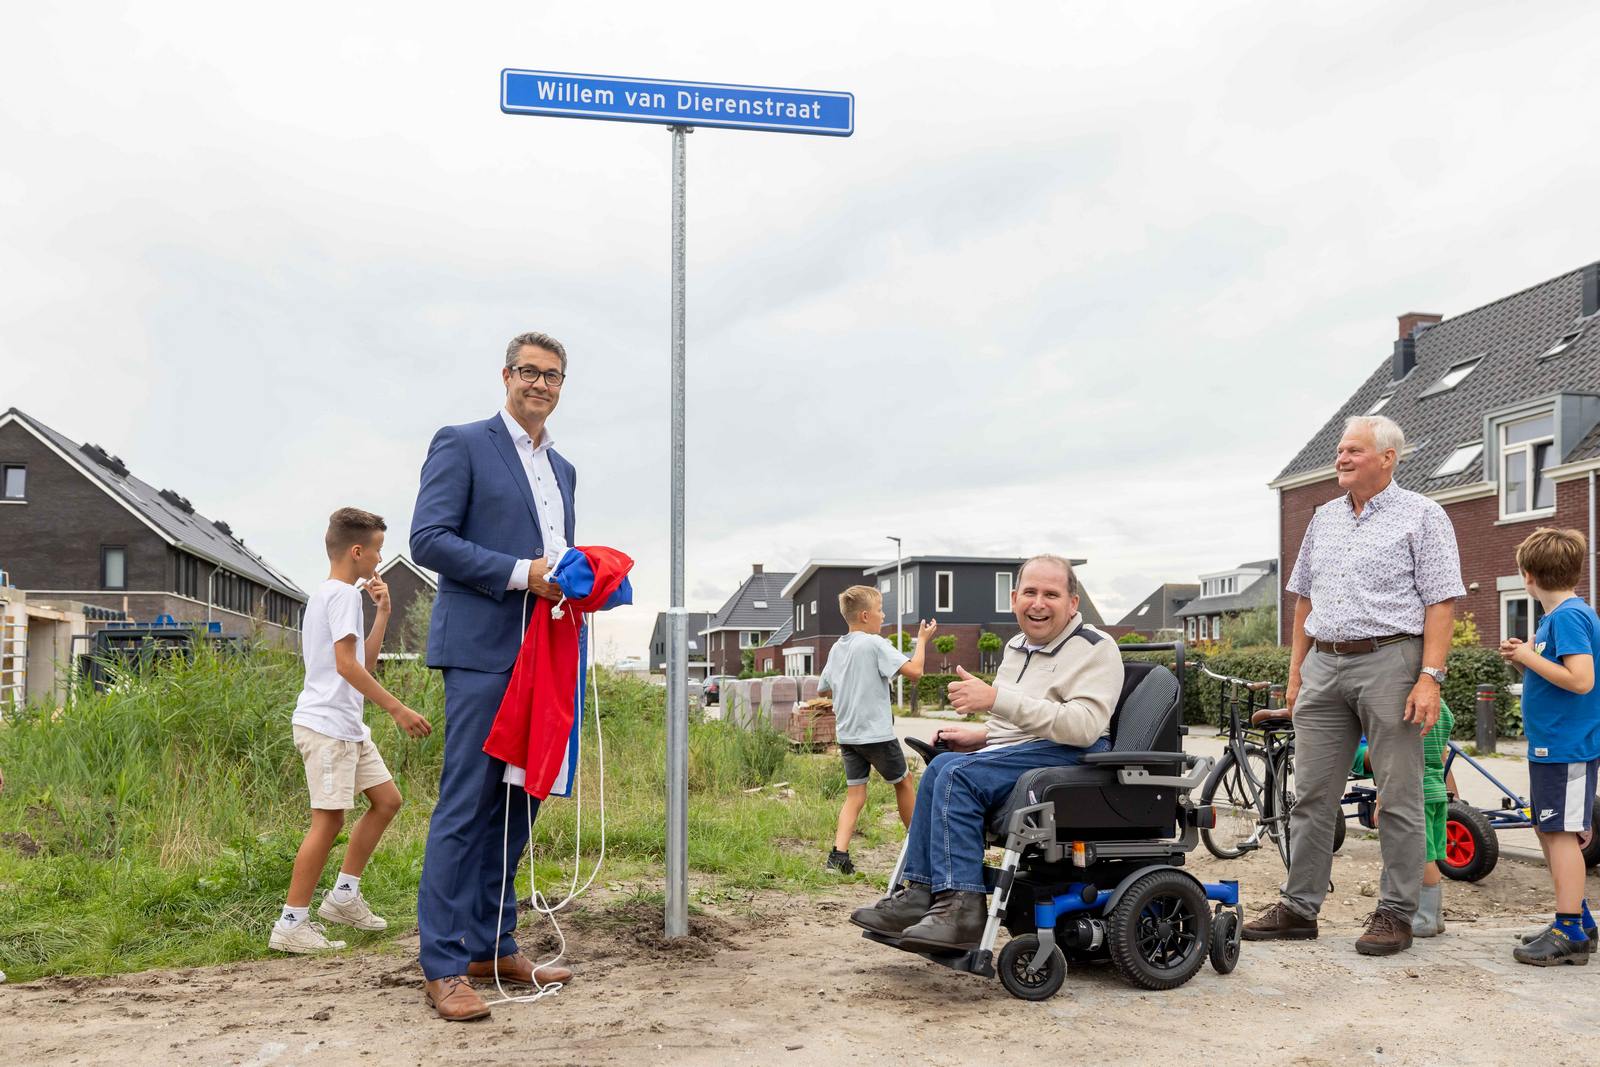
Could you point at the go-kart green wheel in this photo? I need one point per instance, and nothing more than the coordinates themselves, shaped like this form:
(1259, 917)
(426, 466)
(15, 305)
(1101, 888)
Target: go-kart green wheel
(1017, 957)
(1224, 941)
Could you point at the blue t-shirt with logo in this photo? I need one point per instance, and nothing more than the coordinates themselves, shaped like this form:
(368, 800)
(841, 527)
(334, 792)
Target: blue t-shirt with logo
(1563, 726)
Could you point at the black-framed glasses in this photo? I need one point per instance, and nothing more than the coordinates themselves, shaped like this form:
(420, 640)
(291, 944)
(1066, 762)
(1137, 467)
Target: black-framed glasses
(531, 374)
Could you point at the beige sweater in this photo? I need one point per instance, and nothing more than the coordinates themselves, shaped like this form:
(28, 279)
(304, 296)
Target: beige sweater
(1063, 692)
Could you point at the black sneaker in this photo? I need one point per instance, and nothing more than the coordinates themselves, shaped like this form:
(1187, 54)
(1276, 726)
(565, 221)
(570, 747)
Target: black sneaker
(1551, 949)
(1588, 931)
(839, 863)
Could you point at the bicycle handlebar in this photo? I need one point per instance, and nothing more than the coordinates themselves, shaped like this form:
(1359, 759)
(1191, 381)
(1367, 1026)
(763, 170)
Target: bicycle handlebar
(1244, 682)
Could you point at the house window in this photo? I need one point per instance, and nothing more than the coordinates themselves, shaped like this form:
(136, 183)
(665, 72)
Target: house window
(1454, 376)
(762, 604)
(749, 639)
(1561, 345)
(1188, 628)
(944, 591)
(1463, 457)
(799, 617)
(113, 567)
(1527, 449)
(813, 609)
(1142, 609)
(1002, 592)
(13, 482)
(1216, 627)
(883, 586)
(1519, 615)
(908, 595)
(1379, 404)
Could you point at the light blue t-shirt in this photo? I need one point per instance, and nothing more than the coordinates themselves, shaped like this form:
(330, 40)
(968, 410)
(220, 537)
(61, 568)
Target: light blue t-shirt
(857, 674)
(1563, 726)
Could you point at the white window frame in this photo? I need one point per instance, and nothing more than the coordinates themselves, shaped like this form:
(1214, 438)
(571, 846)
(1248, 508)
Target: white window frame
(884, 585)
(1379, 404)
(1143, 608)
(942, 603)
(799, 617)
(1528, 449)
(5, 479)
(1535, 610)
(906, 603)
(1216, 627)
(1563, 343)
(1188, 627)
(749, 639)
(1464, 455)
(1445, 384)
(1002, 598)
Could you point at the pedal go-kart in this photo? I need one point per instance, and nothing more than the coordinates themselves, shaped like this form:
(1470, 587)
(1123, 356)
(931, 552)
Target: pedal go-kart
(1094, 853)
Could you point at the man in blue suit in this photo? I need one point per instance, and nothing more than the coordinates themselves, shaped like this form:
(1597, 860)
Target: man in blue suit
(494, 512)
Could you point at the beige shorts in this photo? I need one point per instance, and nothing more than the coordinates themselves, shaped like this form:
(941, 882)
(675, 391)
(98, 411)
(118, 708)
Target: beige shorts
(337, 770)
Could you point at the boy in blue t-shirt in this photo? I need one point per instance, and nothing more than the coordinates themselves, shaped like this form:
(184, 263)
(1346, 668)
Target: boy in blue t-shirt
(1561, 716)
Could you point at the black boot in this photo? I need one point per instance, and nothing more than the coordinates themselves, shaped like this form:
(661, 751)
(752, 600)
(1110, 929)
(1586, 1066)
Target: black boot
(954, 923)
(896, 911)
(1551, 949)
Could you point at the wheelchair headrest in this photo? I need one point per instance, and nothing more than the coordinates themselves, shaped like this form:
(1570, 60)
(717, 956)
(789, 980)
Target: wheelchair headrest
(1146, 719)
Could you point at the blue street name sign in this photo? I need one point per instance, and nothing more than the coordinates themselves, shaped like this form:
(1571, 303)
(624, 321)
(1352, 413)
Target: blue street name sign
(676, 103)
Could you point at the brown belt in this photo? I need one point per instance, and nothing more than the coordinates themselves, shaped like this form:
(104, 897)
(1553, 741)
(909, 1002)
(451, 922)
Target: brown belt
(1361, 647)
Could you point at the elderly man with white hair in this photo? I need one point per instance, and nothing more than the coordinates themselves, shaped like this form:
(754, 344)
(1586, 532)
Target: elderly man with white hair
(1377, 578)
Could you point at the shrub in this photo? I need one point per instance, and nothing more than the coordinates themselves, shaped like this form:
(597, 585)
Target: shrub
(1258, 626)
(931, 687)
(1470, 668)
(1133, 639)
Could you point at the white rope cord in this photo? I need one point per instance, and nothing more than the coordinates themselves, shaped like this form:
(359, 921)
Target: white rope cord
(538, 900)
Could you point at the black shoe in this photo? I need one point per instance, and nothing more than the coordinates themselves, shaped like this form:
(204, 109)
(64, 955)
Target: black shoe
(839, 863)
(896, 911)
(1588, 931)
(954, 923)
(1551, 949)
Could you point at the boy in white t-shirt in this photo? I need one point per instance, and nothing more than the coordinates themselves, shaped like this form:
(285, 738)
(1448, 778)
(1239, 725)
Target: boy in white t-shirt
(340, 758)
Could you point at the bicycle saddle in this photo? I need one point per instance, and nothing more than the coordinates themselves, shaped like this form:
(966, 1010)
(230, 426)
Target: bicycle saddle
(1272, 718)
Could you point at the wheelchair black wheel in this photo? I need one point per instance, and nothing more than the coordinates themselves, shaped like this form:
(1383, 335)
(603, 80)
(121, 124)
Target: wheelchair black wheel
(1159, 932)
(1338, 831)
(1471, 849)
(1224, 942)
(1015, 959)
(1233, 791)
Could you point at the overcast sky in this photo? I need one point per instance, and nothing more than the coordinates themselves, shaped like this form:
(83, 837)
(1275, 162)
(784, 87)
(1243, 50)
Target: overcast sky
(1086, 277)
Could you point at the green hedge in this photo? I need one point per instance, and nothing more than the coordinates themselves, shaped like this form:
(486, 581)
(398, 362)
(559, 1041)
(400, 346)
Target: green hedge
(1468, 667)
(931, 688)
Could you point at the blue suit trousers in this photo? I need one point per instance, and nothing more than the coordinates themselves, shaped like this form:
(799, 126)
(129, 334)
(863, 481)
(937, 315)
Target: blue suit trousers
(478, 825)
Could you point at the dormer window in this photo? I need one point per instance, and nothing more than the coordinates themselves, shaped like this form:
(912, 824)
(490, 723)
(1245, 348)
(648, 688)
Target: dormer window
(1561, 345)
(1454, 376)
(1463, 457)
(1527, 450)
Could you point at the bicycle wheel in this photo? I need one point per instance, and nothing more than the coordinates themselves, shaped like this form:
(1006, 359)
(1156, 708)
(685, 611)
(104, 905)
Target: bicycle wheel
(1233, 790)
(1280, 803)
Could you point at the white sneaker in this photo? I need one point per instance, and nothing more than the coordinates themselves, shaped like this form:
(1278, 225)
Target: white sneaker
(353, 912)
(305, 938)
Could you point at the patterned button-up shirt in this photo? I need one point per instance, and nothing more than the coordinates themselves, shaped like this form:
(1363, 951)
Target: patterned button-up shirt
(1375, 574)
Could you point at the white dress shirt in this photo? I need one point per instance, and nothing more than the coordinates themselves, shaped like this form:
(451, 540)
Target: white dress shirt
(552, 510)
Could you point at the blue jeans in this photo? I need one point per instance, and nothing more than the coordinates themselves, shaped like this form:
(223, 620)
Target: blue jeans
(946, 841)
(460, 913)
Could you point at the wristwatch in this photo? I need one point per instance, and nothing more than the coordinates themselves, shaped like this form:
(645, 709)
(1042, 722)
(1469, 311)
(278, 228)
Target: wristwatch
(1436, 673)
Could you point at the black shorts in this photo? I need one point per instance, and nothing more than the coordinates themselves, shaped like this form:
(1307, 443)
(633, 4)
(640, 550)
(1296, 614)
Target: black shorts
(885, 757)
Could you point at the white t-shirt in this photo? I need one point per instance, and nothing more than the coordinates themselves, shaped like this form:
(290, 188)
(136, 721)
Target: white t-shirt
(328, 704)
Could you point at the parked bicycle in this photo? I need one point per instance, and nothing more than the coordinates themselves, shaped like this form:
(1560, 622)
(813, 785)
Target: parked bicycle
(1251, 789)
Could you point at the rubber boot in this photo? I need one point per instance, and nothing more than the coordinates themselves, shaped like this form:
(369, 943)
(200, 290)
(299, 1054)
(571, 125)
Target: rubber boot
(954, 923)
(1429, 919)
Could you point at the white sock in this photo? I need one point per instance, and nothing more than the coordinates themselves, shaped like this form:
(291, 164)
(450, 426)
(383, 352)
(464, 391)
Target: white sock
(293, 916)
(345, 888)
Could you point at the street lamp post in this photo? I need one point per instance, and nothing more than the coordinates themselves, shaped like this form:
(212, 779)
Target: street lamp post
(899, 621)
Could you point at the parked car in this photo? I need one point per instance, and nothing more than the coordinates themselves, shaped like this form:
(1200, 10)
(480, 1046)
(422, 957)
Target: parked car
(713, 688)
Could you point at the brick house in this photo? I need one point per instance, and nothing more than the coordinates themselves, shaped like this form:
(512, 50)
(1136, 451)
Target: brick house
(815, 621)
(696, 621)
(407, 584)
(967, 595)
(76, 524)
(1225, 594)
(1156, 616)
(1501, 409)
(750, 616)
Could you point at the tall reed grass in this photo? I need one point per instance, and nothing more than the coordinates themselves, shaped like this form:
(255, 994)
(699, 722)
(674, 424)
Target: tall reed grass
(155, 825)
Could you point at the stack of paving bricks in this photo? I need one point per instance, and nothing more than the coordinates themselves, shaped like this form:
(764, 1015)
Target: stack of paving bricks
(811, 725)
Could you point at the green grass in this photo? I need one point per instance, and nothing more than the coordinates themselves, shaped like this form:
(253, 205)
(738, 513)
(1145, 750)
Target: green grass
(156, 825)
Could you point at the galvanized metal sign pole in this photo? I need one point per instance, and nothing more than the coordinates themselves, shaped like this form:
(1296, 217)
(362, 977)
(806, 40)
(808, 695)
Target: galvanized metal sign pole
(680, 106)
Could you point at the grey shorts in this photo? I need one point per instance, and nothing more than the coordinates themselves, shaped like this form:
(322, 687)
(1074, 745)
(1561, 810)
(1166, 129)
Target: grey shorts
(885, 757)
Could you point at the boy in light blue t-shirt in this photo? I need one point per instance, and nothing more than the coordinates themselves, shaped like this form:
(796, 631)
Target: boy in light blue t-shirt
(857, 673)
(1561, 716)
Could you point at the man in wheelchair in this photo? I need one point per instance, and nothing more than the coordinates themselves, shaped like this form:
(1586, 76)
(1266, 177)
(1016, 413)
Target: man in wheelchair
(1051, 704)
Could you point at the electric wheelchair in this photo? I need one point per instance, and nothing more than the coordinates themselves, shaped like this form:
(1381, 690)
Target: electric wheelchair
(1094, 853)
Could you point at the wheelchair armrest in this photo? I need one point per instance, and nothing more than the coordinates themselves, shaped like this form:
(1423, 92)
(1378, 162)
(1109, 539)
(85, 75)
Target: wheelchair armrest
(923, 749)
(1131, 758)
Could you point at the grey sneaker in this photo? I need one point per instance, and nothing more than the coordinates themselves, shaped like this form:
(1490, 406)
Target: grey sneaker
(306, 938)
(1551, 949)
(353, 912)
(1588, 931)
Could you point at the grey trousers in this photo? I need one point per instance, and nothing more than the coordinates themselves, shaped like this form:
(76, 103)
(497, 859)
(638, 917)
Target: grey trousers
(1340, 698)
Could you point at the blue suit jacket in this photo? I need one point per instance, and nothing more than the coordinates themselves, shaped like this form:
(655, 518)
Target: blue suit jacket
(475, 518)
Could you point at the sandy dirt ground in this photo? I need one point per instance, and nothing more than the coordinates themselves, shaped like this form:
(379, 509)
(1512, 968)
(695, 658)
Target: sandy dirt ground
(775, 979)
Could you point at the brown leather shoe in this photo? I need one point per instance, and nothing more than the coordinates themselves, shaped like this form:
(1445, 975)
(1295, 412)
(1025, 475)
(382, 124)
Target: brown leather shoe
(454, 999)
(518, 968)
(1386, 934)
(1278, 923)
